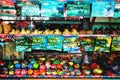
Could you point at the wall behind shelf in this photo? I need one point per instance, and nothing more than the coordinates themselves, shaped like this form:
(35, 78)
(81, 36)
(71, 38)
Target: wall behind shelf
(106, 19)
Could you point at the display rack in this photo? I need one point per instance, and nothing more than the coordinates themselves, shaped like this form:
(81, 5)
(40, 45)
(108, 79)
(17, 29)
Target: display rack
(47, 21)
(80, 54)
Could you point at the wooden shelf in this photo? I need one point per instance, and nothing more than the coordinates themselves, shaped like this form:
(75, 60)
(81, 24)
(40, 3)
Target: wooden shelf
(69, 79)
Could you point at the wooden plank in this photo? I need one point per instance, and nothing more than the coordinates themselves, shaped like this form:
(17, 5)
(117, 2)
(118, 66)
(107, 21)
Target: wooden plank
(70, 79)
(116, 20)
(106, 19)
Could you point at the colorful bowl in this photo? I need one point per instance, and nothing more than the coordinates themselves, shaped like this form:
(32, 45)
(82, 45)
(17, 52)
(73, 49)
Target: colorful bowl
(23, 72)
(36, 65)
(30, 66)
(30, 72)
(17, 72)
(17, 65)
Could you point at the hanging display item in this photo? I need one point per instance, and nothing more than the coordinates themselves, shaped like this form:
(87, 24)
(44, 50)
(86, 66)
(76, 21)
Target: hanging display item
(103, 9)
(1, 50)
(78, 9)
(10, 52)
(39, 42)
(70, 44)
(30, 10)
(23, 43)
(117, 10)
(103, 43)
(52, 9)
(7, 8)
(10, 49)
(116, 43)
(87, 43)
(54, 42)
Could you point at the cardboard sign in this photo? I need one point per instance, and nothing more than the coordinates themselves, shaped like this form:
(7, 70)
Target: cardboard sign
(52, 9)
(103, 43)
(30, 10)
(117, 10)
(39, 42)
(1, 50)
(116, 43)
(23, 43)
(54, 42)
(87, 43)
(102, 9)
(70, 44)
(78, 9)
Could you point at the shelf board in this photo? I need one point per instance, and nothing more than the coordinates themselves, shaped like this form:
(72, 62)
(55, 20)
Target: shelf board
(42, 19)
(13, 18)
(106, 22)
(69, 79)
(80, 35)
(38, 18)
(63, 22)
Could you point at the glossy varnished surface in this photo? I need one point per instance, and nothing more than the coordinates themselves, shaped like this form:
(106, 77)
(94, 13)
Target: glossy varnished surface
(69, 79)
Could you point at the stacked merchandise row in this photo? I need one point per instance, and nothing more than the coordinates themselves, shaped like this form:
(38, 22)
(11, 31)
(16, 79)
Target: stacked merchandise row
(42, 53)
(59, 8)
(66, 43)
(63, 66)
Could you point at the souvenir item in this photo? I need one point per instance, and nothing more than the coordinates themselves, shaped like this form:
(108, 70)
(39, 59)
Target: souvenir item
(29, 10)
(1, 50)
(11, 72)
(39, 42)
(30, 72)
(117, 10)
(35, 65)
(7, 8)
(17, 72)
(102, 9)
(17, 65)
(23, 43)
(11, 53)
(116, 43)
(70, 44)
(54, 42)
(54, 8)
(87, 43)
(103, 44)
(78, 8)
(23, 72)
